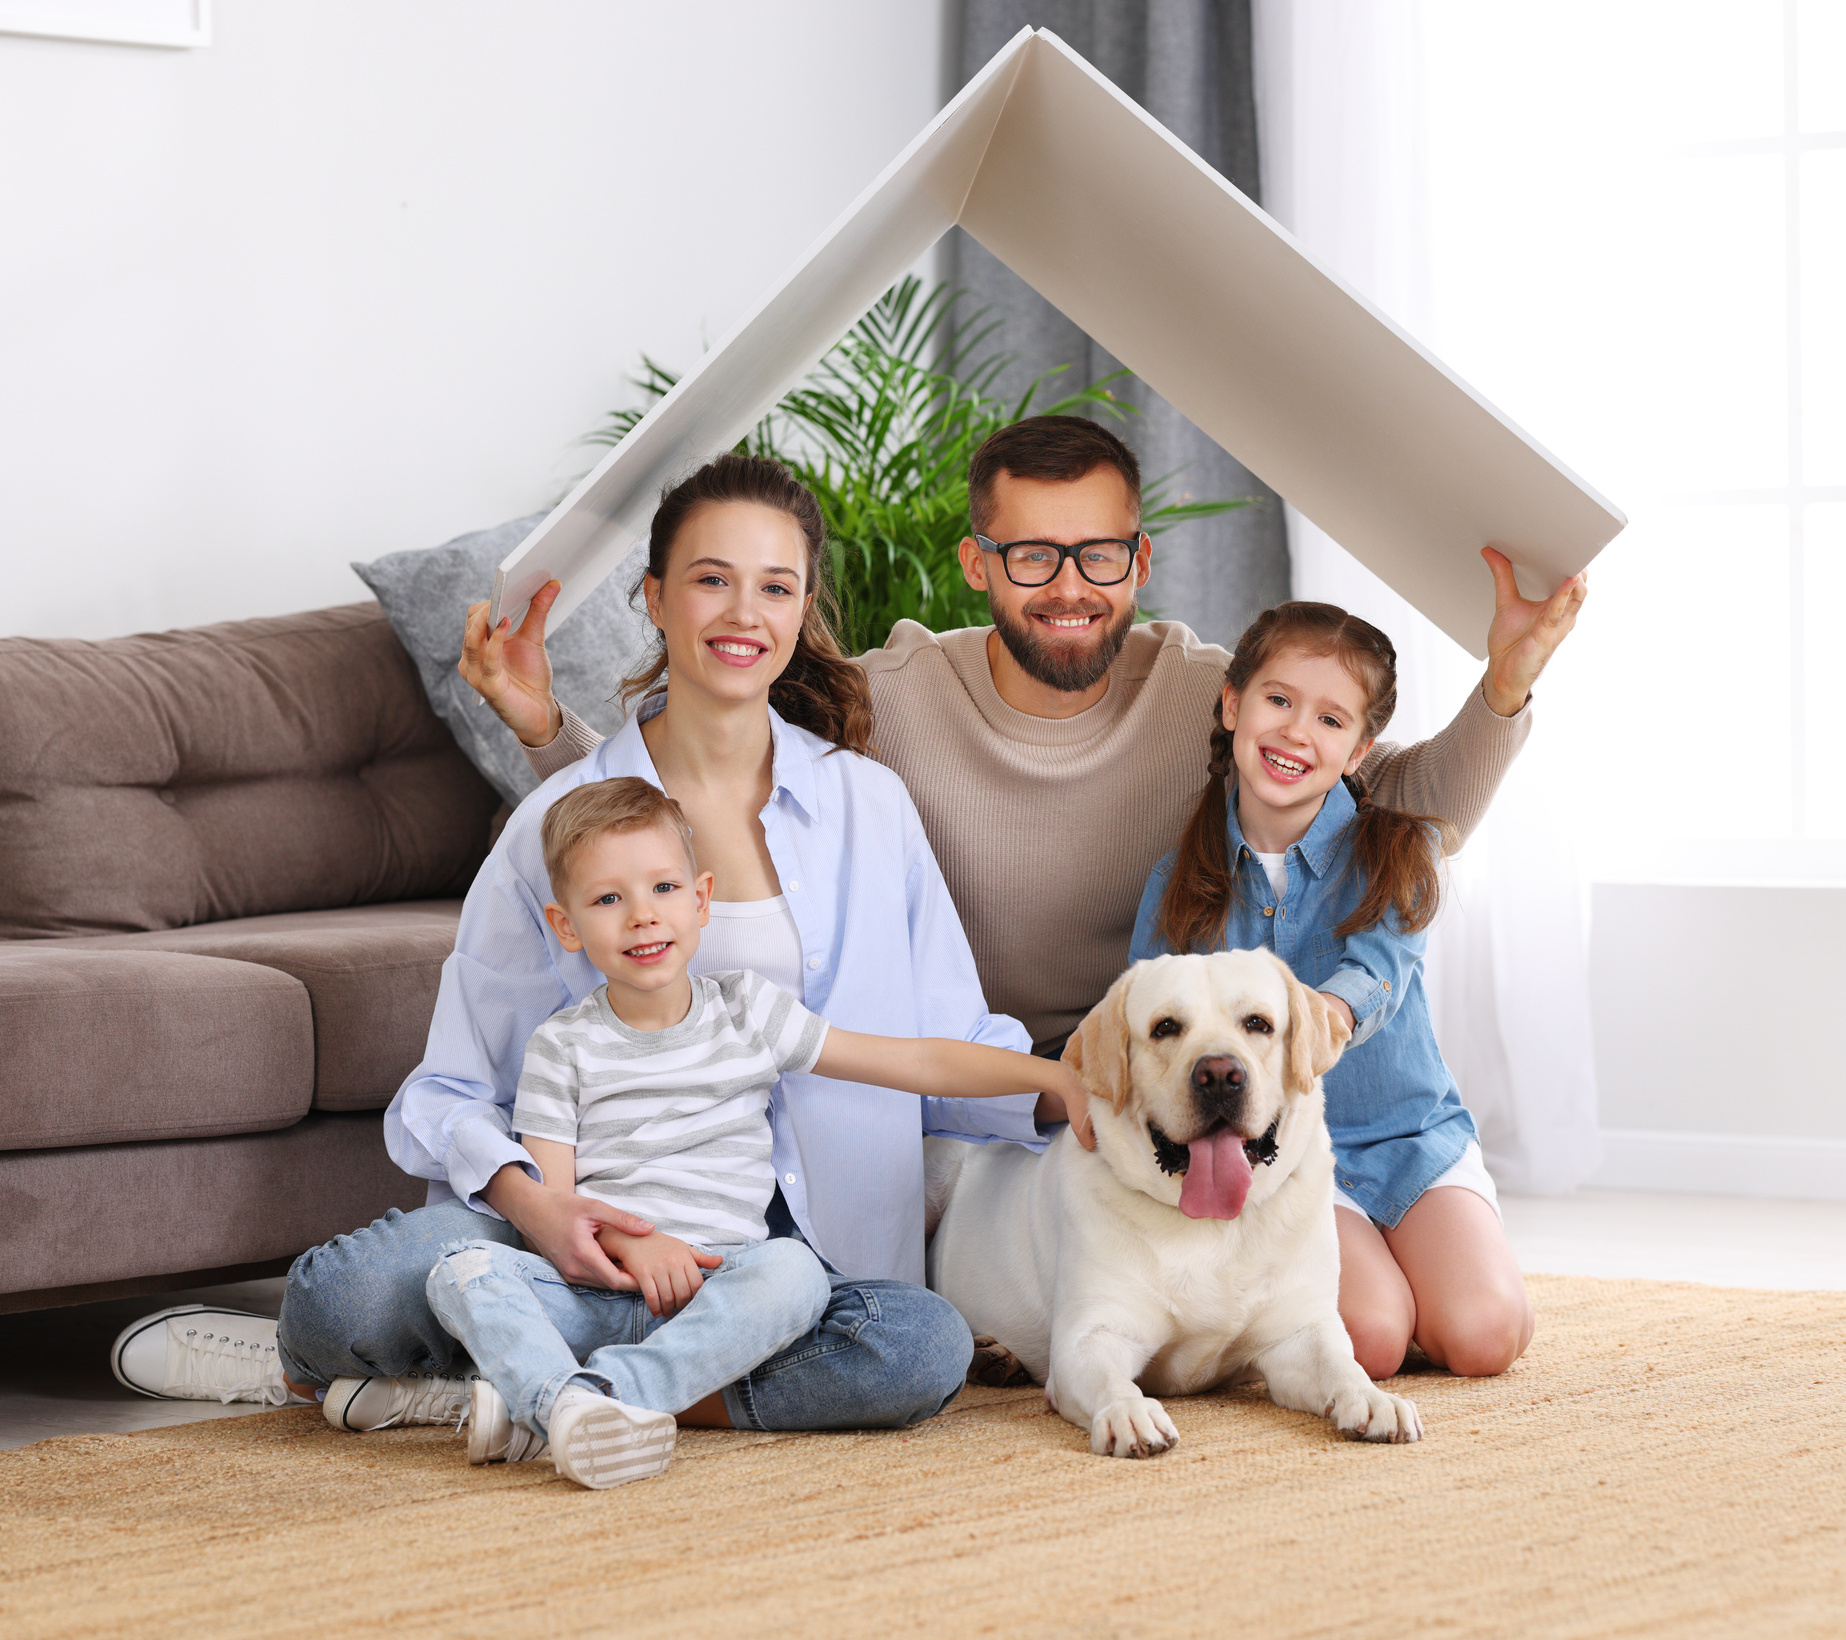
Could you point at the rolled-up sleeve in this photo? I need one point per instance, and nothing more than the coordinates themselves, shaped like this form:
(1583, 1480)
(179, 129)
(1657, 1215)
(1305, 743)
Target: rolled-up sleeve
(451, 1120)
(950, 1002)
(1373, 973)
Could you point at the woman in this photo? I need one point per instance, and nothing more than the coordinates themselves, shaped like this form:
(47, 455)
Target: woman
(824, 884)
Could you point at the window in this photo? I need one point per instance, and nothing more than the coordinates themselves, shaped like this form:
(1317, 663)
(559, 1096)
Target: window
(1638, 245)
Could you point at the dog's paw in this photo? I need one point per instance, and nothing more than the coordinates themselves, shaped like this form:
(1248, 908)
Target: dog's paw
(994, 1364)
(1133, 1427)
(1369, 1414)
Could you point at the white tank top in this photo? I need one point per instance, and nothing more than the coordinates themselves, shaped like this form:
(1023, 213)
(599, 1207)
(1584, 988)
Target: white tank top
(756, 934)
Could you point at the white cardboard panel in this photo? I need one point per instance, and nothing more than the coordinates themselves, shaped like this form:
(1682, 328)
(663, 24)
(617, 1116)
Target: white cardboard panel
(1177, 274)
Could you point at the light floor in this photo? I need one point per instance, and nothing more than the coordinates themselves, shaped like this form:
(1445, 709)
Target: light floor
(54, 1364)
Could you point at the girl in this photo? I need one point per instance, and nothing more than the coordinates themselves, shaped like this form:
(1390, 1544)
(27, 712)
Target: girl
(1342, 890)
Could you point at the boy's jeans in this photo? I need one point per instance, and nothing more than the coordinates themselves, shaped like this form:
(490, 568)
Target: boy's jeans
(886, 1354)
(527, 1328)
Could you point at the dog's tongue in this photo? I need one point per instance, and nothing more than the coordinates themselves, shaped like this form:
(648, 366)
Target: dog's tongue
(1217, 1177)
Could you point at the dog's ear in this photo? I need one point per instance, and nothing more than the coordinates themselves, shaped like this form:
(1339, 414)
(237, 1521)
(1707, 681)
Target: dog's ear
(1098, 1049)
(1316, 1034)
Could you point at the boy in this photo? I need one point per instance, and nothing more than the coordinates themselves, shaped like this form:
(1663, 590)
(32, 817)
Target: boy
(652, 1094)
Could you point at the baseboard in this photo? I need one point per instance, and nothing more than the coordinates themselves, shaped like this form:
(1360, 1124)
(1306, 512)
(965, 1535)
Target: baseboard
(1721, 1164)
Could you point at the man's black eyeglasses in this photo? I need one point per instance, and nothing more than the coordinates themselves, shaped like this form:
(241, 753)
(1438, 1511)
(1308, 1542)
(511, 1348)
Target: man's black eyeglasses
(1103, 563)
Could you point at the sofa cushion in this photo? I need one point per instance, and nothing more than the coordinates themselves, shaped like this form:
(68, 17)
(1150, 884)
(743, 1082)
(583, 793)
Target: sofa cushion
(226, 771)
(426, 593)
(113, 1212)
(370, 971)
(108, 1046)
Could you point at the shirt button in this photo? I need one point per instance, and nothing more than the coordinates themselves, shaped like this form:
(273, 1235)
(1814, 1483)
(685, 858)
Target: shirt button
(794, 888)
(788, 1178)
(1387, 985)
(1269, 911)
(814, 962)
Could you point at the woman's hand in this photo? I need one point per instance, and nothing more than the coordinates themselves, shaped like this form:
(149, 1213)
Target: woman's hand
(511, 671)
(561, 1226)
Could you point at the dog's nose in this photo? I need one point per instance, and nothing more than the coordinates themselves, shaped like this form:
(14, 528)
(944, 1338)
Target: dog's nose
(1218, 1079)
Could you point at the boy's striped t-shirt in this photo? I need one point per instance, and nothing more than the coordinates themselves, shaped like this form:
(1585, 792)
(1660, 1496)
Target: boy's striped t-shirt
(672, 1124)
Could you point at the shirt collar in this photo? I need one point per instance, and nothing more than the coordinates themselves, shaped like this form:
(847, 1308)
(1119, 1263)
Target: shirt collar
(793, 753)
(1317, 845)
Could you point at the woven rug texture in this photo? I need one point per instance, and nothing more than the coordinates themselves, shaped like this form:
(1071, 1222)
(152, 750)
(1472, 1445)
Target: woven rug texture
(1667, 1460)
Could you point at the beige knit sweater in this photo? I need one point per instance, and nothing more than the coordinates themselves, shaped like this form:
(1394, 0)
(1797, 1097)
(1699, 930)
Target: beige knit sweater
(1047, 828)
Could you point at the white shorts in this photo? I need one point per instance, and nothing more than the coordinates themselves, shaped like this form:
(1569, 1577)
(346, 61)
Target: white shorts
(1470, 1173)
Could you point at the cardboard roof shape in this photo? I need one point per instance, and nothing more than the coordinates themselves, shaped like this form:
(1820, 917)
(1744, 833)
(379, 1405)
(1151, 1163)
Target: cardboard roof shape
(1147, 248)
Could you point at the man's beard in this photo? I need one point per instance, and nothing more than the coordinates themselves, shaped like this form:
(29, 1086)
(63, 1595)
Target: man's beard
(1068, 667)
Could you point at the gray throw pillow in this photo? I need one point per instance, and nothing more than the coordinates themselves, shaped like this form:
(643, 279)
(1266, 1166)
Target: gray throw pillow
(426, 594)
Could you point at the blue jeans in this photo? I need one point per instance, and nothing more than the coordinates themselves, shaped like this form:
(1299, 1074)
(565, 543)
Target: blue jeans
(527, 1328)
(885, 1354)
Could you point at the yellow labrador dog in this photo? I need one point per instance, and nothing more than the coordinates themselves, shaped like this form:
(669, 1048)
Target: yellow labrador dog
(1195, 1246)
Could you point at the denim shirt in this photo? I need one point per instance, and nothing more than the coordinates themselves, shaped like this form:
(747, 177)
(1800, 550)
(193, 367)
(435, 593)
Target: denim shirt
(1394, 1112)
(882, 951)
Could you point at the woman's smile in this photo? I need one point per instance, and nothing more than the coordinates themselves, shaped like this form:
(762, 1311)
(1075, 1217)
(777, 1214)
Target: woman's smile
(734, 651)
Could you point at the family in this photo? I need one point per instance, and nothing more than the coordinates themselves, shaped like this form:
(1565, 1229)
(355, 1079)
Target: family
(669, 1109)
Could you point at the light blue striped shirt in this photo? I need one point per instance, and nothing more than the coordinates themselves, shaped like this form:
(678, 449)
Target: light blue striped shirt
(882, 951)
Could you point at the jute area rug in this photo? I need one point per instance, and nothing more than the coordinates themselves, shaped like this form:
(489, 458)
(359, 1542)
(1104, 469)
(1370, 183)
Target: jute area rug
(1667, 1459)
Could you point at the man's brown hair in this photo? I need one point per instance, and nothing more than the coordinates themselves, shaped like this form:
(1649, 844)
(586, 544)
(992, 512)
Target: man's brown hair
(586, 812)
(1053, 449)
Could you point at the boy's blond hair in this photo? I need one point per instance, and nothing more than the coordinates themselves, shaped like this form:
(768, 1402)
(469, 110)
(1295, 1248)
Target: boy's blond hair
(622, 805)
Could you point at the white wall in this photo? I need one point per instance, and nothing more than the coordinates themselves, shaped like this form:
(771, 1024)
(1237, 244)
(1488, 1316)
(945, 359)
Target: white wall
(356, 277)
(1717, 1037)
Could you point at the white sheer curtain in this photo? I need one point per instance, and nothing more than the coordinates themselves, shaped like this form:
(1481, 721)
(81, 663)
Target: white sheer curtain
(1338, 90)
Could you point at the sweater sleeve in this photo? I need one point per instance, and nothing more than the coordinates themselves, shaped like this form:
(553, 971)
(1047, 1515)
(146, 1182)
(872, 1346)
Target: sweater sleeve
(1454, 774)
(573, 740)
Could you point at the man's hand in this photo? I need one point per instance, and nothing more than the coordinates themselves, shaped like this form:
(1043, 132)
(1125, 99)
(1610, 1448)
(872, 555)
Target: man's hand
(667, 1271)
(562, 1226)
(1525, 633)
(511, 671)
(1066, 1099)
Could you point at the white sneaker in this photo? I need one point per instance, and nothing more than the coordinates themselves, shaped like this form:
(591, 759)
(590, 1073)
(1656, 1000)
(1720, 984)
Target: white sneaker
(493, 1437)
(197, 1353)
(396, 1403)
(598, 1441)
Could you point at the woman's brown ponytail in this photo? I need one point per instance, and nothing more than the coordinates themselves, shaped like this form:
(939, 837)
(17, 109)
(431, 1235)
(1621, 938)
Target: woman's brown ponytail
(1392, 851)
(820, 689)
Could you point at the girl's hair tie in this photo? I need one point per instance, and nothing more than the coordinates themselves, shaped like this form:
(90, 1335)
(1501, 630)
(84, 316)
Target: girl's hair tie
(1218, 768)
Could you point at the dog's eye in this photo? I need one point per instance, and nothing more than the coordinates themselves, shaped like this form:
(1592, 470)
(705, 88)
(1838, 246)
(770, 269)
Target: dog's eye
(1166, 1027)
(1259, 1026)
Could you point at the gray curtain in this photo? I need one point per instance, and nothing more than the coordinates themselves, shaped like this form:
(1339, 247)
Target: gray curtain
(1187, 62)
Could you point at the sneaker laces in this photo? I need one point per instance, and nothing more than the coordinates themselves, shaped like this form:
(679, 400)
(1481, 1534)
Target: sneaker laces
(427, 1398)
(232, 1369)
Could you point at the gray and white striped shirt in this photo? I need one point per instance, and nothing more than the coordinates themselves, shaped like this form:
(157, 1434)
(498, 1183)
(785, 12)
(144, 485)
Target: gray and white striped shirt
(672, 1124)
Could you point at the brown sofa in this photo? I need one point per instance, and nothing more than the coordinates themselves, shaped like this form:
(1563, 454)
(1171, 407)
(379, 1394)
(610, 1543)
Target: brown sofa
(231, 862)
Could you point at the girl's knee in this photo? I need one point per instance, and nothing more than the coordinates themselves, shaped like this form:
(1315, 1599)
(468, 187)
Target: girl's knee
(1380, 1340)
(1486, 1340)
